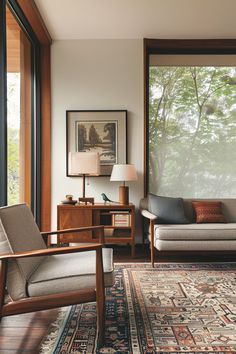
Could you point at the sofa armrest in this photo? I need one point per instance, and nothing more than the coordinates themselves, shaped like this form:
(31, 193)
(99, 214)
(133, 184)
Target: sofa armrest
(148, 215)
(151, 218)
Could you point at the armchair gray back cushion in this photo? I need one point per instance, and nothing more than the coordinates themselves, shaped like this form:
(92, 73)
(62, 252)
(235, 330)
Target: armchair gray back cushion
(19, 233)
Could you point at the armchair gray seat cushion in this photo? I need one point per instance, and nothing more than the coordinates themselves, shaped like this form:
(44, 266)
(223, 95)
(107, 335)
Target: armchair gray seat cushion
(69, 272)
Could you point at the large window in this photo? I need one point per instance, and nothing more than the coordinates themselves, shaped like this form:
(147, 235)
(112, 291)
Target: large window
(191, 125)
(20, 114)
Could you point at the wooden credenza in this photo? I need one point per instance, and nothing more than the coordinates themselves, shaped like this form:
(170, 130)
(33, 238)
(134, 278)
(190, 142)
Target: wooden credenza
(118, 220)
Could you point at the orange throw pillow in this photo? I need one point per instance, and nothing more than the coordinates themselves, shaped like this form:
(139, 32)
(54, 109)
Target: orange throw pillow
(207, 212)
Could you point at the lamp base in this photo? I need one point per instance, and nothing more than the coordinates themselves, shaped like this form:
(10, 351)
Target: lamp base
(124, 195)
(86, 200)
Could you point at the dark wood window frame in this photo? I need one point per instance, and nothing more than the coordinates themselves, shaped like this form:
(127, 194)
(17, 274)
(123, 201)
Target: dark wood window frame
(175, 47)
(30, 18)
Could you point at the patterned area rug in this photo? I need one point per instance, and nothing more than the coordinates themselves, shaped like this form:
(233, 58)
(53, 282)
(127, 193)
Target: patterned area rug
(173, 308)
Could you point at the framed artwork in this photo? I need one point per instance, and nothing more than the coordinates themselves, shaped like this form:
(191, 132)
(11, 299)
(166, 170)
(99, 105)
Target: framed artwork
(104, 132)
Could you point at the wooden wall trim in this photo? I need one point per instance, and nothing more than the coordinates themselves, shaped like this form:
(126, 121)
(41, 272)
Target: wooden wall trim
(176, 46)
(34, 18)
(146, 110)
(190, 46)
(45, 138)
(3, 107)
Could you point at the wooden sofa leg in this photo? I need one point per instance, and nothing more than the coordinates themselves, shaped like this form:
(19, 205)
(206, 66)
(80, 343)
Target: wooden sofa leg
(100, 297)
(151, 230)
(152, 257)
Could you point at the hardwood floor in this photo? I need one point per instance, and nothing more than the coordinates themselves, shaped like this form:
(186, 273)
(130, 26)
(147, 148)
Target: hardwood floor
(123, 254)
(22, 334)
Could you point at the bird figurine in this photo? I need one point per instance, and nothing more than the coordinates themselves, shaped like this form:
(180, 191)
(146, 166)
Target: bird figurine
(106, 199)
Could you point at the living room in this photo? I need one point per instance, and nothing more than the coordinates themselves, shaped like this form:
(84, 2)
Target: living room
(98, 60)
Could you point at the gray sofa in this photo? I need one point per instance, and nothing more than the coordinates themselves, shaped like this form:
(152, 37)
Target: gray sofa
(192, 236)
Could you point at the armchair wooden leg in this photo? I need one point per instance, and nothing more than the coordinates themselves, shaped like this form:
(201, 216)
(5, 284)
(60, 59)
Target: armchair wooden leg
(100, 297)
(3, 271)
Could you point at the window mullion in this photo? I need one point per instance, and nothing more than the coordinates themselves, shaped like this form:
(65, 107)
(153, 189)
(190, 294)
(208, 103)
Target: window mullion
(3, 106)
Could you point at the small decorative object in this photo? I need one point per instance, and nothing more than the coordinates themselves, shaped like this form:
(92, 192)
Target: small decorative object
(106, 199)
(69, 200)
(103, 132)
(123, 173)
(122, 219)
(108, 232)
(84, 164)
(69, 197)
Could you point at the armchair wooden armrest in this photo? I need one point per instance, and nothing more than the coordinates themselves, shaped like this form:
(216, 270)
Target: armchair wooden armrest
(45, 234)
(50, 251)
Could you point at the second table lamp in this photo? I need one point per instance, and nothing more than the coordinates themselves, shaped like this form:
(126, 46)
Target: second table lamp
(125, 173)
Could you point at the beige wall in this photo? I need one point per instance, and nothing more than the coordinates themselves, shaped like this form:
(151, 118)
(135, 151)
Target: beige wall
(96, 74)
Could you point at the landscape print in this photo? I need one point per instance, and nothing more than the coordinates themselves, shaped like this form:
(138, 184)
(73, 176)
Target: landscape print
(98, 136)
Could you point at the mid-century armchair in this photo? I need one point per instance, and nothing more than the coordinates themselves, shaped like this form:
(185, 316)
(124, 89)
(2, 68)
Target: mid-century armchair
(38, 278)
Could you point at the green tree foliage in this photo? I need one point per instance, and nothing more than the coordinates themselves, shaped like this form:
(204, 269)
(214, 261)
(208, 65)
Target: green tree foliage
(13, 166)
(192, 131)
(13, 134)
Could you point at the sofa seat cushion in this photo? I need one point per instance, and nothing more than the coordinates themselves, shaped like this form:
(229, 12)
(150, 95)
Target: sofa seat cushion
(69, 272)
(193, 232)
(195, 245)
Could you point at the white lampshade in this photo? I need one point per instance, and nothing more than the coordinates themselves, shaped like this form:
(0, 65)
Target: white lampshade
(84, 163)
(123, 173)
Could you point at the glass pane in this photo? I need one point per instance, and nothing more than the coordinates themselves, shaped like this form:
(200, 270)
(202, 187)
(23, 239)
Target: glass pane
(18, 112)
(192, 131)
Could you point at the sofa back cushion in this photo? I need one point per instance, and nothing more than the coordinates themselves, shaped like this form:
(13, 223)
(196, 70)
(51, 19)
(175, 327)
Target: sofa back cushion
(228, 208)
(208, 212)
(168, 210)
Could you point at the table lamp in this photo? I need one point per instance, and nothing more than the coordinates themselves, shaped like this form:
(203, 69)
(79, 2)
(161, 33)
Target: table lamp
(84, 164)
(123, 173)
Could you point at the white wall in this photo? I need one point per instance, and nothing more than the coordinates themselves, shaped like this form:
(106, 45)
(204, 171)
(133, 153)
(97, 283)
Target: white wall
(96, 74)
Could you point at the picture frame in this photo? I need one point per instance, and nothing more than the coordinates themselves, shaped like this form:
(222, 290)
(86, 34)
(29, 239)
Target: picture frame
(103, 131)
